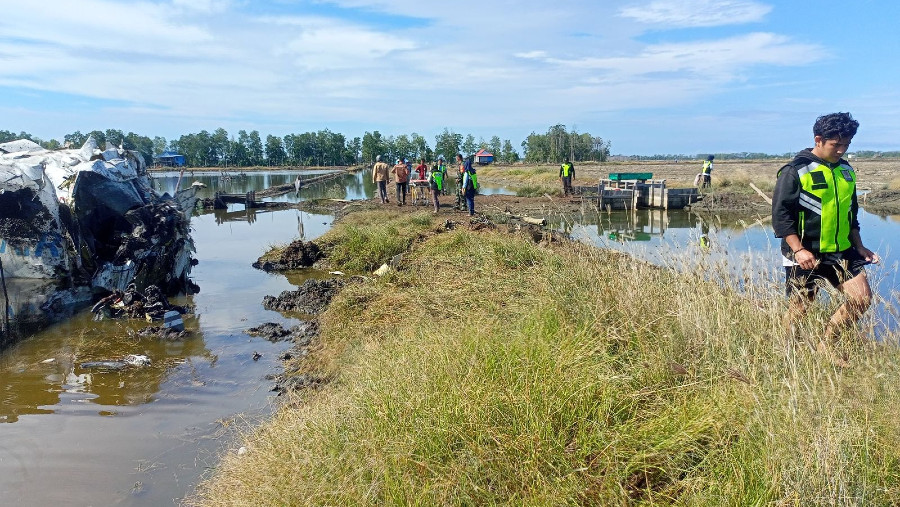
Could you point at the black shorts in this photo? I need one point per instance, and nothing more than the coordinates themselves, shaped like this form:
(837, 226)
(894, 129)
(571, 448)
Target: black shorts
(803, 281)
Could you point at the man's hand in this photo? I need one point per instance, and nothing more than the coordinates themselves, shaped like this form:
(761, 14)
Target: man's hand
(805, 259)
(868, 255)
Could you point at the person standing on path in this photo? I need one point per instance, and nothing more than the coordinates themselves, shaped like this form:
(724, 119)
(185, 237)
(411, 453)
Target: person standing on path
(380, 177)
(401, 177)
(469, 184)
(442, 167)
(436, 184)
(814, 212)
(567, 175)
(704, 179)
(421, 169)
(460, 170)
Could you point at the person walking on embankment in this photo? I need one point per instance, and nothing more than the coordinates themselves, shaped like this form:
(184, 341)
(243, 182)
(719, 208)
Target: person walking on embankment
(567, 175)
(401, 178)
(460, 170)
(436, 184)
(704, 178)
(380, 175)
(814, 212)
(469, 184)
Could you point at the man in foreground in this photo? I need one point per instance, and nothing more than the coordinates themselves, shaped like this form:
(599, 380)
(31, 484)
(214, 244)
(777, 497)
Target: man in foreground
(814, 211)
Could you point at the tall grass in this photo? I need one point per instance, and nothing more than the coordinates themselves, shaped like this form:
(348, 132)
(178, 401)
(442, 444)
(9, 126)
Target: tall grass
(490, 370)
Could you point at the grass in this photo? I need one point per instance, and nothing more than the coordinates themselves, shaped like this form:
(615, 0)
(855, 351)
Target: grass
(490, 370)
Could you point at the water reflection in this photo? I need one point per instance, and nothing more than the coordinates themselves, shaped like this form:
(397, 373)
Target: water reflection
(41, 378)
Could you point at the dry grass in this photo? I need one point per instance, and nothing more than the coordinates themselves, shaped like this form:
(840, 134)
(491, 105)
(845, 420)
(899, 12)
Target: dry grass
(490, 370)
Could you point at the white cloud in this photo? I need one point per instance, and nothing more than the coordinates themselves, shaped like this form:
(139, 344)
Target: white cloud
(696, 13)
(716, 60)
(532, 55)
(323, 44)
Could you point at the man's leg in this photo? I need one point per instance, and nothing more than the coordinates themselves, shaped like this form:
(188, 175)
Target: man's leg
(859, 298)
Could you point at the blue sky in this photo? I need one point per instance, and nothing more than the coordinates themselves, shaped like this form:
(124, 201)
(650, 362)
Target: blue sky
(650, 76)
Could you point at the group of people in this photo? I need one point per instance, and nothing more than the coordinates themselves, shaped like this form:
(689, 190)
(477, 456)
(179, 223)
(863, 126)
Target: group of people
(814, 212)
(434, 177)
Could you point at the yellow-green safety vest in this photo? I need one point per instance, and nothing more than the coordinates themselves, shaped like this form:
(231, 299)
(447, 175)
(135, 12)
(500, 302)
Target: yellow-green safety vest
(566, 168)
(826, 197)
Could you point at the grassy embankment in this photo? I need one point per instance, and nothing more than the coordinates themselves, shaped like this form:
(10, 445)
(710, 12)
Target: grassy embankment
(490, 370)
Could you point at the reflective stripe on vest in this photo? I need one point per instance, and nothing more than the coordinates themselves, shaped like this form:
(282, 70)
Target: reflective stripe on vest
(707, 167)
(828, 193)
(565, 170)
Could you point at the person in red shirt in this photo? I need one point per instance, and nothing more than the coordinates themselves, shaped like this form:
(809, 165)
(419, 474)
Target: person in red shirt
(421, 169)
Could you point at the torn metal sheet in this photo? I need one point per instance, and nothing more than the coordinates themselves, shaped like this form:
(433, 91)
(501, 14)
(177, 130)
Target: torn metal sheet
(89, 217)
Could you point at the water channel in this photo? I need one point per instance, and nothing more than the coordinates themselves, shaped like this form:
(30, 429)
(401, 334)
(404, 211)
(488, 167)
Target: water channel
(145, 436)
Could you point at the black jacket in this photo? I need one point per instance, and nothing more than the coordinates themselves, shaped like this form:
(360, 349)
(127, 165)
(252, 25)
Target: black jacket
(786, 207)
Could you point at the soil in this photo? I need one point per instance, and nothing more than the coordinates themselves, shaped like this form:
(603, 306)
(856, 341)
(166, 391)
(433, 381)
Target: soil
(310, 298)
(881, 202)
(299, 254)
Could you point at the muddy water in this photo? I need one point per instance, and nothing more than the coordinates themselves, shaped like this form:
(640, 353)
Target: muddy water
(144, 436)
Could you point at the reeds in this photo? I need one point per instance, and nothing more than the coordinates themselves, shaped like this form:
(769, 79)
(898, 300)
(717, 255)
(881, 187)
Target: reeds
(490, 370)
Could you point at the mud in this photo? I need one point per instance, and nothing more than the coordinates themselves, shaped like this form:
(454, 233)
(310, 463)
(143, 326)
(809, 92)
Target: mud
(297, 255)
(310, 298)
(164, 334)
(731, 202)
(881, 202)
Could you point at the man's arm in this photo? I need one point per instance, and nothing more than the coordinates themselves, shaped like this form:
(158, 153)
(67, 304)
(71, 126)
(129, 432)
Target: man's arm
(785, 199)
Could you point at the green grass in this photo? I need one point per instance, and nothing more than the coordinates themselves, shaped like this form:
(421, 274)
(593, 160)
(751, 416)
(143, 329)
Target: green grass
(490, 370)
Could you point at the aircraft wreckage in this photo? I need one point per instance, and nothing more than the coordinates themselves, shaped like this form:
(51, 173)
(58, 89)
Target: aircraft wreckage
(88, 222)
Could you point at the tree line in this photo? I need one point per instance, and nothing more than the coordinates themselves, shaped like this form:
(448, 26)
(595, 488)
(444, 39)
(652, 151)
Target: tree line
(326, 148)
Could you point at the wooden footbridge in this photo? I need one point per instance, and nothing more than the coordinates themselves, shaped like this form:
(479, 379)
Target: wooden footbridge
(222, 200)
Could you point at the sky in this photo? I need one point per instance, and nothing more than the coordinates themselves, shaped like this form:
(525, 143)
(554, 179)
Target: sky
(648, 76)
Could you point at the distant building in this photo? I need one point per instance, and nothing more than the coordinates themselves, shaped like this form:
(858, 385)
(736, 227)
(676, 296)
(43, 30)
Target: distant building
(484, 157)
(169, 159)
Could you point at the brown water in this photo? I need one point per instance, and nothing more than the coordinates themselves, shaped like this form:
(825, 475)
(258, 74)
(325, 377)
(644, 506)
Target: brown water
(144, 436)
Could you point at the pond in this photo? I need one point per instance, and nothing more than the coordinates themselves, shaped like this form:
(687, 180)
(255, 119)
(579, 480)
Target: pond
(145, 436)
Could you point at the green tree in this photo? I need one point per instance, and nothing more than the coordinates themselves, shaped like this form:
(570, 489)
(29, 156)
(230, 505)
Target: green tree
(469, 147)
(100, 137)
(420, 147)
(372, 145)
(447, 143)
(114, 137)
(508, 154)
(221, 147)
(352, 151)
(495, 146)
(159, 145)
(255, 151)
(75, 139)
(275, 154)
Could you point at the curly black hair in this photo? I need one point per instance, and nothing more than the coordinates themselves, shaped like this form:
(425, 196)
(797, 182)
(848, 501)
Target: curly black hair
(835, 126)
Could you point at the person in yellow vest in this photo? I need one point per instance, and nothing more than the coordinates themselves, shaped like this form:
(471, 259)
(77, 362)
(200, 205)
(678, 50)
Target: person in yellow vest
(436, 184)
(814, 212)
(566, 175)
